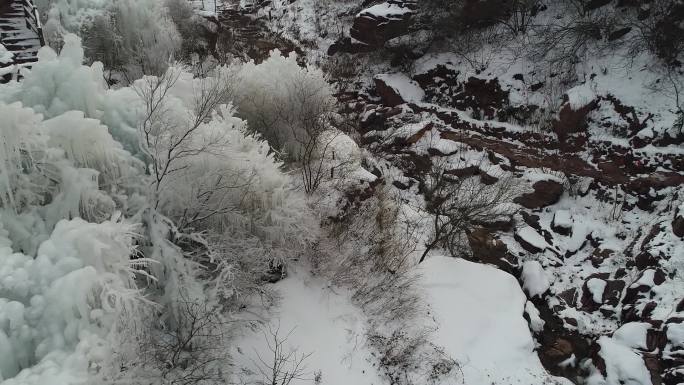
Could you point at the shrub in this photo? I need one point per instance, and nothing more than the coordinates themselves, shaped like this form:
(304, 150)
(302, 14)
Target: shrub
(289, 106)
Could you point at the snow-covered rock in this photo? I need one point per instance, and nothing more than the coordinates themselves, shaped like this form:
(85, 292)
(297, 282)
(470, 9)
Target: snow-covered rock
(535, 280)
(632, 334)
(6, 57)
(531, 240)
(622, 365)
(596, 288)
(562, 222)
(381, 22)
(479, 315)
(395, 89)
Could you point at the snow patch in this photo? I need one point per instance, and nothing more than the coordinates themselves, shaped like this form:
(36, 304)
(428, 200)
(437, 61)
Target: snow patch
(536, 323)
(632, 334)
(387, 10)
(6, 57)
(562, 219)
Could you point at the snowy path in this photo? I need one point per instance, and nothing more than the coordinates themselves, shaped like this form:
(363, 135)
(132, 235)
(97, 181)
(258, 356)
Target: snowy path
(324, 324)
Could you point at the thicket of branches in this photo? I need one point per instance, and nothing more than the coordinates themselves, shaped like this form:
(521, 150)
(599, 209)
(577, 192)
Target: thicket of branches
(291, 107)
(458, 205)
(562, 30)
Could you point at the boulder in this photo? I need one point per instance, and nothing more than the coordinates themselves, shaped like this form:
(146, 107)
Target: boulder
(346, 44)
(613, 291)
(384, 21)
(638, 313)
(396, 89)
(599, 255)
(562, 222)
(484, 97)
(645, 260)
(678, 222)
(530, 240)
(680, 306)
(570, 297)
(388, 94)
(598, 290)
(646, 280)
(546, 193)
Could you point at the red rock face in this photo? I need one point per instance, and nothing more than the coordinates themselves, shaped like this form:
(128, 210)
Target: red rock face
(571, 121)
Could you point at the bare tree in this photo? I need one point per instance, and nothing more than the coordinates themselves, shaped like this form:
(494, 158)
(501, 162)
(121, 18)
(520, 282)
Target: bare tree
(457, 205)
(565, 41)
(520, 15)
(679, 104)
(169, 140)
(190, 348)
(308, 120)
(284, 365)
(296, 127)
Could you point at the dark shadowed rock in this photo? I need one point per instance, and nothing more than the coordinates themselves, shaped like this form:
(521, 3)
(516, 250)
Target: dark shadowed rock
(645, 260)
(570, 121)
(546, 193)
(599, 255)
(389, 96)
(570, 297)
(680, 305)
(678, 223)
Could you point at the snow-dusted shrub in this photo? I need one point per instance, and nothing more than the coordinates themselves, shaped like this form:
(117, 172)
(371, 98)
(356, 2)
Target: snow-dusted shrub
(289, 105)
(59, 83)
(88, 144)
(20, 145)
(149, 39)
(194, 349)
(209, 173)
(373, 255)
(130, 36)
(64, 310)
(104, 44)
(71, 14)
